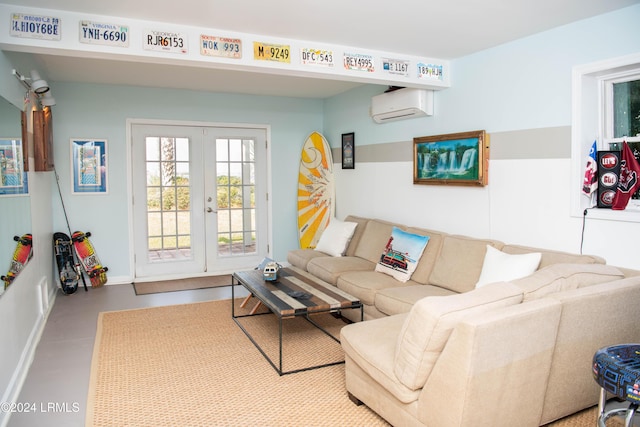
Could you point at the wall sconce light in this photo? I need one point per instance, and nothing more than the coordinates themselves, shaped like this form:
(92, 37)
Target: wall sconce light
(47, 100)
(38, 86)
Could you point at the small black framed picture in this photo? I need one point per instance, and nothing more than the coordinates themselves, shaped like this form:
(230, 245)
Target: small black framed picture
(348, 151)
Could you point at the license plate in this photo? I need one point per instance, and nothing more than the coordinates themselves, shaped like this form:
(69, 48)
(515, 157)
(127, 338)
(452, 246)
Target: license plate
(220, 46)
(35, 26)
(165, 41)
(272, 52)
(316, 57)
(429, 71)
(395, 66)
(104, 34)
(358, 62)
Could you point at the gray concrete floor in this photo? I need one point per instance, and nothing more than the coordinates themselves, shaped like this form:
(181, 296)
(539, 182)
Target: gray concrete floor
(56, 386)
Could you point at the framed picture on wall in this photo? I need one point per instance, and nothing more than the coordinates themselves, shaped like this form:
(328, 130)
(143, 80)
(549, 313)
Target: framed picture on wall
(89, 166)
(452, 159)
(348, 151)
(13, 178)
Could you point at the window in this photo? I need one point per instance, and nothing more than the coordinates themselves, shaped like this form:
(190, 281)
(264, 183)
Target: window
(605, 107)
(621, 117)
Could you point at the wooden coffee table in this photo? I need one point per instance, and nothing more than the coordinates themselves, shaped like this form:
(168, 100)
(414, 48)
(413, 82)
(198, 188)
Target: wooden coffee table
(295, 293)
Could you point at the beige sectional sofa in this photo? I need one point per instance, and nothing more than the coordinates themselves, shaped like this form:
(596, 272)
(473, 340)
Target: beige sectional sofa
(439, 351)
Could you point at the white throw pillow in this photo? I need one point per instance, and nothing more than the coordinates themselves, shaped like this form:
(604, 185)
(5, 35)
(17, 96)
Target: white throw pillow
(502, 267)
(336, 237)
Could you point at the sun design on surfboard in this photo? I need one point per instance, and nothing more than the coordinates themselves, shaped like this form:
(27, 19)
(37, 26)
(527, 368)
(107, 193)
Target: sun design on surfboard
(316, 204)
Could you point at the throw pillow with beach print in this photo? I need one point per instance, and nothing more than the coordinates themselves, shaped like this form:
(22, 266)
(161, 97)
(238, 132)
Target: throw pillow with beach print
(401, 254)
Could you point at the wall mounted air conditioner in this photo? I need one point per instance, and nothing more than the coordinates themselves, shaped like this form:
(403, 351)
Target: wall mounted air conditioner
(401, 104)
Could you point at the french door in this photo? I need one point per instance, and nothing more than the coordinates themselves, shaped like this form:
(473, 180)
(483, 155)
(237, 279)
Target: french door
(199, 199)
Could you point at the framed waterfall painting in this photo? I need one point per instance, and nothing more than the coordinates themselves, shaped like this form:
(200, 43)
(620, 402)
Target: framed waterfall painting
(89, 166)
(451, 159)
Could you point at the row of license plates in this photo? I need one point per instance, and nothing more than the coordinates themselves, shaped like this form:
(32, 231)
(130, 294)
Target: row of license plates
(96, 33)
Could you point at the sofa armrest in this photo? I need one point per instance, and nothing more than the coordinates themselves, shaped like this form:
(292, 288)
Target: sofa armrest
(493, 371)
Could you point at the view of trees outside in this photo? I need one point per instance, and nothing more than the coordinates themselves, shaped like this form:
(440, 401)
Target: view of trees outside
(627, 109)
(235, 170)
(169, 196)
(626, 117)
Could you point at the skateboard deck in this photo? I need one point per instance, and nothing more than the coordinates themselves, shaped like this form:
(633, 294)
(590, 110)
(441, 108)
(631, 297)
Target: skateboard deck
(89, 259)
(67, 272)
(21, 257)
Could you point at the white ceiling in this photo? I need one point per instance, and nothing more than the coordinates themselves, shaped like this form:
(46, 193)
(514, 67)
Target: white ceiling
(443, 29)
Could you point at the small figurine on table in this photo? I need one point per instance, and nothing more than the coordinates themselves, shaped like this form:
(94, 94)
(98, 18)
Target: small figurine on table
(270, 271)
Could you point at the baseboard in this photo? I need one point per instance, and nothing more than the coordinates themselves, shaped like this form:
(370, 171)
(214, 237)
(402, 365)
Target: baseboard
(118, 280)
(12, 392)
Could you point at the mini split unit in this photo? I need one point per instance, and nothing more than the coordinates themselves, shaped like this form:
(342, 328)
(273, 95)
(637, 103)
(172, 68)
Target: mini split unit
(401, 104)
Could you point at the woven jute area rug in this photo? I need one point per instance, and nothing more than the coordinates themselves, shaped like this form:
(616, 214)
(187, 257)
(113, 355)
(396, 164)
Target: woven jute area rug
(191, 365)
(145, 288)
(586, 418)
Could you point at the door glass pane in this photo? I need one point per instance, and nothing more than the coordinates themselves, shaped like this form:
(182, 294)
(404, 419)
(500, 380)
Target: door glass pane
(168, 198)
(235, 169)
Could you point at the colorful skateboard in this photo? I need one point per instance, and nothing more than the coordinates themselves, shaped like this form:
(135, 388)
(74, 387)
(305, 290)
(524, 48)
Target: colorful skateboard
(89, 259)
(21, 257)
(68, 271)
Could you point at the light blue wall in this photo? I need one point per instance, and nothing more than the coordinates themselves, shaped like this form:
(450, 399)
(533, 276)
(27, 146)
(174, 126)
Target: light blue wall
(100, 111)
(519, 86)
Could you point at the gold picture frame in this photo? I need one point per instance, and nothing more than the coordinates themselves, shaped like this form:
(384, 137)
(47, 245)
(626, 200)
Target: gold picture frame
(452, 159)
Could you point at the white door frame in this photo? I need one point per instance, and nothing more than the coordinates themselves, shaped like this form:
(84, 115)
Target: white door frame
(129, 144)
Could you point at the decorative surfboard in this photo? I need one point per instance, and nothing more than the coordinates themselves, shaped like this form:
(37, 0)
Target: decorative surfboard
(316, 193)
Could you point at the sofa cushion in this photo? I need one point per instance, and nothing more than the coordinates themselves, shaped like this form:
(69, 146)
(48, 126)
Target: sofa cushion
(401, 254)
(502, 267)
(375, 236)
(357, 234)
(459, 263)
(329, 268)
(301, 257)
(430, 254)
(554, 257)
(336, 237)
(430, 322)
(371, 345)
(400, 299)
(365, 284)
(564, 277)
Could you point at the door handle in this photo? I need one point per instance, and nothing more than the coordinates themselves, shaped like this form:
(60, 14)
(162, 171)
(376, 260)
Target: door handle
(209, 210)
